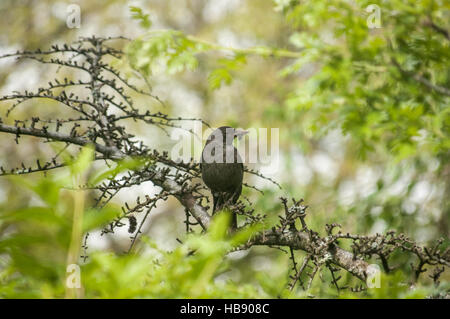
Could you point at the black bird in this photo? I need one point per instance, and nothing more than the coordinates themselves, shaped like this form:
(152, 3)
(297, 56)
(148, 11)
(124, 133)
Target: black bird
(222, 168)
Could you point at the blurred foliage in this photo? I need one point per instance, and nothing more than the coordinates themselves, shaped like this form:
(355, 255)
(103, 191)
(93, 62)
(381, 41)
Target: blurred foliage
(364, 134)
(47, 230)
(359, 86)
(192, 270)
(358, 83)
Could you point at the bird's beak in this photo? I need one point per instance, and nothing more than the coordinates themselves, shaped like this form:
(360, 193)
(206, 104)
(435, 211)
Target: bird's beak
(240, 133)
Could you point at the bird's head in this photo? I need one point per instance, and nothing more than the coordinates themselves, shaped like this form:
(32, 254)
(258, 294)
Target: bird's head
(226, 134)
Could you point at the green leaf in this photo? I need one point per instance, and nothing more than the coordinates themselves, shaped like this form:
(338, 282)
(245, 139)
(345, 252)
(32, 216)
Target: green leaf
(83, 161)
(120, 166)
(138, 14)
(94, 218)
(217, 77)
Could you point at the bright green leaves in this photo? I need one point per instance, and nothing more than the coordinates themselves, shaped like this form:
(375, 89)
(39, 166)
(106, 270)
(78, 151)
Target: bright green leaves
(222, 75)
(143, 18)
(128, 276)
(218, 77)
(169, 51)
(174, 52)
(379, 103)
(190, 270)
(44, 238)
(97, 218)
(82, 162)
(117, 168)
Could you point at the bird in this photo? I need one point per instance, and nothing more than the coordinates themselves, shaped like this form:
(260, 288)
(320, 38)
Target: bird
(222, 168)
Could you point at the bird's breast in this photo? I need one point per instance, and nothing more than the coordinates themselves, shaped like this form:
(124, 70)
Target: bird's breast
(224, 171)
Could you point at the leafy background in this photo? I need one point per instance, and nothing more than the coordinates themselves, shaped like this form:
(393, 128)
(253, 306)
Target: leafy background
(364, 138)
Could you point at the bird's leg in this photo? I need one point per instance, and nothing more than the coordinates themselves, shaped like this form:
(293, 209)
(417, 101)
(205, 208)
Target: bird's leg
(217, 202)
(220, 203)
(229, 203)
(215, 199)
(233, 225)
